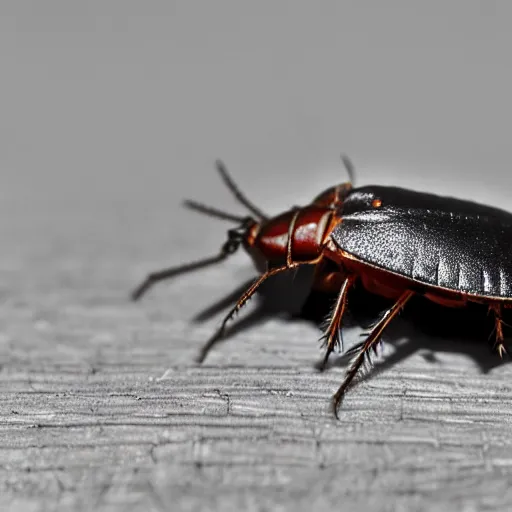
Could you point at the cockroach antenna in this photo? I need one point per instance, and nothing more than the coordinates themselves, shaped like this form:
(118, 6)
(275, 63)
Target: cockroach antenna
(230, 183)
(212, 212)
(349, 166)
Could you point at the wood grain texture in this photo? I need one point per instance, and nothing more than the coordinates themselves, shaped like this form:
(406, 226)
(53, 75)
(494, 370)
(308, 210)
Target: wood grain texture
(103, 407)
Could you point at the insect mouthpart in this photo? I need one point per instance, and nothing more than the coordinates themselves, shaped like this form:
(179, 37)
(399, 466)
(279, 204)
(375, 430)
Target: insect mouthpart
(245, 233)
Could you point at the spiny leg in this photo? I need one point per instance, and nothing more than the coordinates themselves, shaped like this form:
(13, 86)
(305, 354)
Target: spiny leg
(499, 345)
(332, 336)
(372, 339)
(241, 302)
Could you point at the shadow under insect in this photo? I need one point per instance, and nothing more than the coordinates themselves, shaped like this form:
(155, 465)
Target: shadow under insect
(423, 326)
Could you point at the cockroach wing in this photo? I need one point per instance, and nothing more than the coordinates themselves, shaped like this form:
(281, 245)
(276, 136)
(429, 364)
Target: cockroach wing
(457, 251)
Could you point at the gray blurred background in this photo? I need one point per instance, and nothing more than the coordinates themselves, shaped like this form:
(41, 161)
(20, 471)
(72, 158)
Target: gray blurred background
(120, 99)
(113, 112)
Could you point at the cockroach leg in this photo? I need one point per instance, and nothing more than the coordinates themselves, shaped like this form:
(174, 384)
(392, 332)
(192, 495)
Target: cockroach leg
(242, 301)
(332, 335)
(499, 345)
(371, 340)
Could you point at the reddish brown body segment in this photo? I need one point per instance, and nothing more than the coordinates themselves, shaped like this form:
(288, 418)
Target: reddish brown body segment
(297, 234)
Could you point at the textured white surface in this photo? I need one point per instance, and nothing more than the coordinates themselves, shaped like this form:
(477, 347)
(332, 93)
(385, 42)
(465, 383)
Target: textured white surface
(111, 114)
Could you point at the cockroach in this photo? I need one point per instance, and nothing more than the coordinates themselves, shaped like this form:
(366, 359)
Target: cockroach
(395, 242)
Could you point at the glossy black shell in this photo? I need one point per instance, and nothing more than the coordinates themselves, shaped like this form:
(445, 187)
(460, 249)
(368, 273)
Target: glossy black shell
(434, 240)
